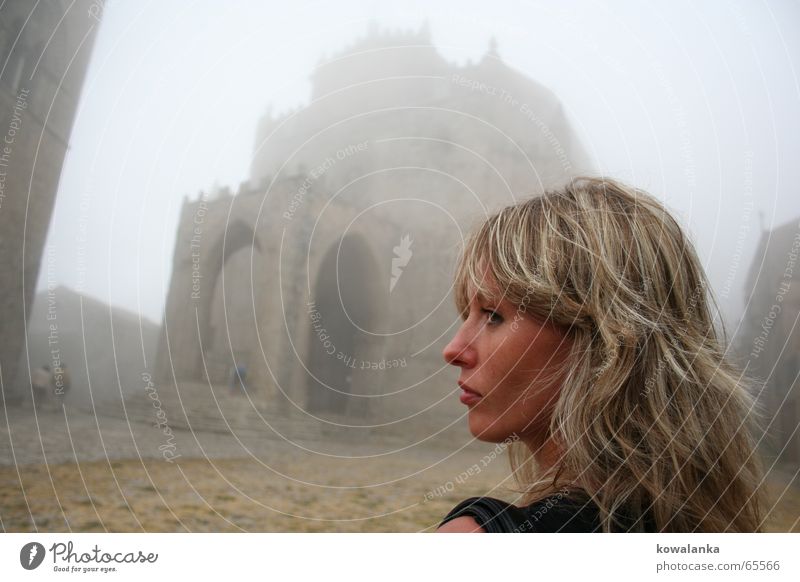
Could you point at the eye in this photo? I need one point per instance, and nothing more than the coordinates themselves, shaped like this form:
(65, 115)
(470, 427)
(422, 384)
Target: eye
(494, 317)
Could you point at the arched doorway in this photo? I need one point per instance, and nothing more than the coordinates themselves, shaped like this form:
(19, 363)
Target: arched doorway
(226, 320)
(344, 299)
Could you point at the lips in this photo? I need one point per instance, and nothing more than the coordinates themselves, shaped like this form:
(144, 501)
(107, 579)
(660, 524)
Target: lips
(466, 388)
(468, 395)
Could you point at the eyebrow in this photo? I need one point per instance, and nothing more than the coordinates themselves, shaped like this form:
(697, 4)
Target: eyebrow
(480, 296)
(484, 299)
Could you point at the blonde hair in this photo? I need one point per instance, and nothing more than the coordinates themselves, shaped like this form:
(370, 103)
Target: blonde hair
(651, 417)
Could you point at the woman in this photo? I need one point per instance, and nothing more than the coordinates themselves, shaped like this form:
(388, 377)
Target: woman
(588, 340)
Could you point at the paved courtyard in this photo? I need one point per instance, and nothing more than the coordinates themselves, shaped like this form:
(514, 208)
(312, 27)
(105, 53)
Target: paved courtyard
(75, 471)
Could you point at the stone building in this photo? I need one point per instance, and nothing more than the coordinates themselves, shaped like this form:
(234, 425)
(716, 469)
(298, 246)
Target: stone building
(44, 53)
(769, 341)
(328, 274)
(105, 348)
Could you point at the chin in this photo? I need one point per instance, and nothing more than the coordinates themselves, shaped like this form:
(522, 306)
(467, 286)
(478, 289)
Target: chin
(484, 431)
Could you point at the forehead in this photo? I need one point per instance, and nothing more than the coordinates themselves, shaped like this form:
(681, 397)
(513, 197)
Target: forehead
(487, 293)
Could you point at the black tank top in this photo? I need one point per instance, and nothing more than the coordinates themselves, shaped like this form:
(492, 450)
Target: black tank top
(557, 513)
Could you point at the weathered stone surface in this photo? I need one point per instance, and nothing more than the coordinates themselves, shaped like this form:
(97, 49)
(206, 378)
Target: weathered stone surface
(45, 49)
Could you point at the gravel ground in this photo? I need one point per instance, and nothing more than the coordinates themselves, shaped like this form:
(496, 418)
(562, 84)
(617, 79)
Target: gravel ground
(77, 472)
(87, 473)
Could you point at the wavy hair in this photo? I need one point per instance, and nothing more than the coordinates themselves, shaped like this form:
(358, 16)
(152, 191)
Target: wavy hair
(652, 418)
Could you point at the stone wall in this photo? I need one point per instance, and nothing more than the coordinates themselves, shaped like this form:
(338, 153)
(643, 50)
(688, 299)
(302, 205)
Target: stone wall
(45, 47)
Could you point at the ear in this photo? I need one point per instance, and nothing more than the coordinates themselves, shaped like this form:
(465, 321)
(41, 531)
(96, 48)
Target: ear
(463, 524)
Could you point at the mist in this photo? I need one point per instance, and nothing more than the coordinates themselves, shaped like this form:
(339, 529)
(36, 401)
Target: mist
(698, 105)
(230, 229)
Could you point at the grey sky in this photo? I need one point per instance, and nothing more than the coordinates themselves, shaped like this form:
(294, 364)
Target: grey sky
(698, 104)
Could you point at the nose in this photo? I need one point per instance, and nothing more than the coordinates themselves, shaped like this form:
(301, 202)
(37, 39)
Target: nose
(460, 351)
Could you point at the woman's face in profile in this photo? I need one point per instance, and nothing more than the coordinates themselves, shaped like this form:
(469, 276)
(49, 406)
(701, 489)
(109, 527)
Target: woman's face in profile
(505, 358)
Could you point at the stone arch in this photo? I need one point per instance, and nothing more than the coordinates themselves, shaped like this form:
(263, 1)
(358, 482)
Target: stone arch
(344, 299)
(237, 236)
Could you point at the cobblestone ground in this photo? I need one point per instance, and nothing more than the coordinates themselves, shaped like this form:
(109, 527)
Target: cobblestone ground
(105, 474)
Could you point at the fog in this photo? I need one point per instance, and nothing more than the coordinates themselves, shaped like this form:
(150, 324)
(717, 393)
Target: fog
(697, 104)
(244, 295)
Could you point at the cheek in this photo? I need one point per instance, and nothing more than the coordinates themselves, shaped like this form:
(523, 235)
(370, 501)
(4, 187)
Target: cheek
(540, 406)
(515, 380)
(508, 402)
(519, 400)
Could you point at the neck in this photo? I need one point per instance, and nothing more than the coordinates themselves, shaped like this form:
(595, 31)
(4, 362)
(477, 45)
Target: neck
(546, 453)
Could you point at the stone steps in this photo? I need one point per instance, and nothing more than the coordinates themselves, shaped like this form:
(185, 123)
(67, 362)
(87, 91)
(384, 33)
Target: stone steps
(196, 407)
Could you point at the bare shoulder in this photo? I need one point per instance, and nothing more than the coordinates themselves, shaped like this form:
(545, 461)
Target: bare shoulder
(463, 524)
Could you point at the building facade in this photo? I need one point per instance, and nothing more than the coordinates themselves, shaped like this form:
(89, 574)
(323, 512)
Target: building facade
(328, 274)
(769, 342)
